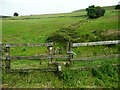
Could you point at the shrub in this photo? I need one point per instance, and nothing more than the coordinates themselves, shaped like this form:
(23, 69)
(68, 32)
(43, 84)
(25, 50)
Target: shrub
(63, 35)
(95, 12)
(117, 7)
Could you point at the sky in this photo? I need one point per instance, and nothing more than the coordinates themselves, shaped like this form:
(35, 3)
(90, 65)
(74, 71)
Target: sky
(37, 7)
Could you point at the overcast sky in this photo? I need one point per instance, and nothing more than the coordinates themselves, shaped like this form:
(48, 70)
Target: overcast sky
(36, 7)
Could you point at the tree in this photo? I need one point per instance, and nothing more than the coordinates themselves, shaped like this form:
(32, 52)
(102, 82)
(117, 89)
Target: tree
(95, 12)
(16, 14)
(117, 7)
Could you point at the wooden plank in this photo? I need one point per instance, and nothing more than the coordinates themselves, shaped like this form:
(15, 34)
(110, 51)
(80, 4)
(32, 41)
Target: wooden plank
(82, 68)
(36, 57)
(29, 57)
(30, 45)
(96, 43)
(30, 69)
(96, 58)
(60, 56)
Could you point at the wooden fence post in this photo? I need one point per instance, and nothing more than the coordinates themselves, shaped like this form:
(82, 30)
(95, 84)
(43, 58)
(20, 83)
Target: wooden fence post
(70, 50)
(119, 21)
(7, 56)
(50, 53)
(0, 55)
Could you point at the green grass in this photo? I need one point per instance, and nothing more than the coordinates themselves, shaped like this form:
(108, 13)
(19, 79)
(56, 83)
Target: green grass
(109, 7)
(100, 24)
(32, 31)
(36, 29)
(33, 79)
(105, 77)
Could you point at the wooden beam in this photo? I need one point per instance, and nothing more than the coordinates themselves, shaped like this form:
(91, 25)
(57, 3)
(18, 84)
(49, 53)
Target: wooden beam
(30, 45)
(36, 57)
(30, 69)
(96, 43)
(60, 56)
(96, 58)
(29, 57)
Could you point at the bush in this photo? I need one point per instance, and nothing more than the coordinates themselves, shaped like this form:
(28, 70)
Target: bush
(117, 7)
(63, 35)
(95, 12)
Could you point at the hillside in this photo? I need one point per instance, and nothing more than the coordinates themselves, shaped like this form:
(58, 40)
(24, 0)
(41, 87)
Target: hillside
(37, 24)
(36, 29)
(105, 7)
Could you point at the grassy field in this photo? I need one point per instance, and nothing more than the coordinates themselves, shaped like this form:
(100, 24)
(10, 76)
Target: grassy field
(36, 29)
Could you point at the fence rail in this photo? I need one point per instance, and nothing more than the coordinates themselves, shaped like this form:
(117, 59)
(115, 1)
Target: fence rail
(30, 69)
(96, 43)
(30, 45)
(36, 57)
